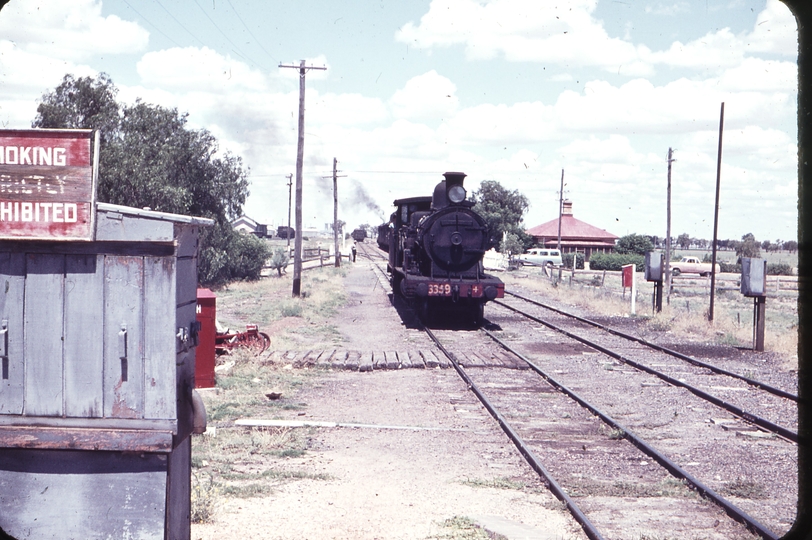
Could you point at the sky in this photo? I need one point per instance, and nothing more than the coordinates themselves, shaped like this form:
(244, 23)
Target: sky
(516, 91)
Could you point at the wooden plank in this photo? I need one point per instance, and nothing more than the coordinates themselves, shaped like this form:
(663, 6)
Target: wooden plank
(12, 365)
(417, 360)
(186, 238)
(88, 423)
(115, 226)
(325, 359)
(184, 373)
(160, 338)
(378, 360)
(89, 494)
(339, 359)
(391, 359)
(178, 490)
(365, 362)
(353, 361)
(44, 300)
(123, 337)
(89, 248)
(431, 360)
(84, 336)
(186, 281)
(127, 440)
(404, 361)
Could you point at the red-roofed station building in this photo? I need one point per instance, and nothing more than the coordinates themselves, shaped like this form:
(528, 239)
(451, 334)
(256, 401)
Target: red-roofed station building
(576, 235)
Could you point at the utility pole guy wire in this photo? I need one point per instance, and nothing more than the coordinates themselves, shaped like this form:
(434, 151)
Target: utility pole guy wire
(297, 245)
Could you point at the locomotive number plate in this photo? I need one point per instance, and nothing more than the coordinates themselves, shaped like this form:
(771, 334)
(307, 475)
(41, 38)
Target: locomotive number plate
(465, 290)
(439, 289)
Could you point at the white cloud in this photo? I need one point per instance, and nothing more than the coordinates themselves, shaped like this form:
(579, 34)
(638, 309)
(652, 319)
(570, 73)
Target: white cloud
(429, 97)
(523, 30)
(73, 30)
(192, 68)
(566, 33)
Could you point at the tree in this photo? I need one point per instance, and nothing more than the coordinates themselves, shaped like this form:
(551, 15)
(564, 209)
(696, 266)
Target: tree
(149, 158)
(511, 244)
(634, 244)
(748, 247)
(684, 240)
(503, 210)
(791, 246)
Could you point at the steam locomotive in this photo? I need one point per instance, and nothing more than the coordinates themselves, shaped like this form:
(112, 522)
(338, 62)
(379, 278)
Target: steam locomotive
(435, 246)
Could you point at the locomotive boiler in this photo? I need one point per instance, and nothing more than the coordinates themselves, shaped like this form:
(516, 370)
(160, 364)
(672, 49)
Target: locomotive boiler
(436, 245)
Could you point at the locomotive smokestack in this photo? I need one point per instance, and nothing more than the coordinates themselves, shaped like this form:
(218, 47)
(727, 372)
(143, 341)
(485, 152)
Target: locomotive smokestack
(453, 178)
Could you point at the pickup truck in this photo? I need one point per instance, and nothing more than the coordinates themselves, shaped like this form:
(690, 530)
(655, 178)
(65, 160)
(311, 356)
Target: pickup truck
(692, 265)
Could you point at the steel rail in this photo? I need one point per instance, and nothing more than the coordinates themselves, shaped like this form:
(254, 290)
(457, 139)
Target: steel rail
(738, 411)
(732, 510)
(589, 528)
(764, 386)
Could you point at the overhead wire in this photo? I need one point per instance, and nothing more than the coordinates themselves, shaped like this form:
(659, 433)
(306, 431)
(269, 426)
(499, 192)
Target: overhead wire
(236, 48)
(256, 40)
(180, 23)
(151, 23)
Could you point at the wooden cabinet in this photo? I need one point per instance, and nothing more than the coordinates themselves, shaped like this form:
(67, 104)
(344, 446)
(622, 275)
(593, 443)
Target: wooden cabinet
(97, 353)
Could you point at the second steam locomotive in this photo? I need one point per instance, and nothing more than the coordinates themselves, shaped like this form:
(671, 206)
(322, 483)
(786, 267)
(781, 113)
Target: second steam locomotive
(436, 245)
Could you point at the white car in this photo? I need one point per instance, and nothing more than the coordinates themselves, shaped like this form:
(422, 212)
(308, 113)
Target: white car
(540, 257)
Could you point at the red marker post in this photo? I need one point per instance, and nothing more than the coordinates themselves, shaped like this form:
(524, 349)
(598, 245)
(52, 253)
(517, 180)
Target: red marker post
(629, 281)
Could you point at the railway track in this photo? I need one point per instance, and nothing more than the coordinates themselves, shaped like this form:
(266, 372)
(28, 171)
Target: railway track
(770, 408)
(627, 454)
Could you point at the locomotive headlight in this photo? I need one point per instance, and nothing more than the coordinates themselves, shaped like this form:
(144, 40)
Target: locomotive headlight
(456, 193)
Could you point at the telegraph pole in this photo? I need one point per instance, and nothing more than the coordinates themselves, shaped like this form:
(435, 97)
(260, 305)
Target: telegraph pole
(335, 209)
(335, 212)
(297, 245)
(560, 210)
(667, 268)
(716, 212)
(287, 233)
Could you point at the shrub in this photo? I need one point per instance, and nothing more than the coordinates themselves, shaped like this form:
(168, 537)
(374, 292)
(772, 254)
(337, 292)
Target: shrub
(227, 255)
(779, 269)
(566, 259)
(616, 261)
(279, 260)
(732, 268)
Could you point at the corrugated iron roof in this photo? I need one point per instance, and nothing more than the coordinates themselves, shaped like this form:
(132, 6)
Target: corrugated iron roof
(571, 229)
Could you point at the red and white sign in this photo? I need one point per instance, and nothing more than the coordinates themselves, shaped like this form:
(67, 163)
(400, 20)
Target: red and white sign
(47, 185)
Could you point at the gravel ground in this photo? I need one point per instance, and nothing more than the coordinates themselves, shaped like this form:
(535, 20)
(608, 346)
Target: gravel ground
(395, 483)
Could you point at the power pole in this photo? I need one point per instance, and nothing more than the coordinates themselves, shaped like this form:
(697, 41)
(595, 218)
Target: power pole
(297, 245)
(716, 212)
(668, 233)
(335, 210)
(287, 233)
(560, 210)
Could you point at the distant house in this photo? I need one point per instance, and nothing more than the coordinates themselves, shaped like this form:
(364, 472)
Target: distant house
(576, 235)
(246, 225)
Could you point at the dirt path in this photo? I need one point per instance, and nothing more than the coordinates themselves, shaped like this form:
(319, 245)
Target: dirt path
(390, 483)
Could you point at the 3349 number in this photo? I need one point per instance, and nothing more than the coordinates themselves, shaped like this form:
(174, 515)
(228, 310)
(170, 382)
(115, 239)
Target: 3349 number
(439, 289)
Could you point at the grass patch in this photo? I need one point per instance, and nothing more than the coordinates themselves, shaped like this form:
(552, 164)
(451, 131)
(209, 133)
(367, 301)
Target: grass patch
(505, 483)
(667, 487)
(744, 489)
(292, 323)
(464, 528)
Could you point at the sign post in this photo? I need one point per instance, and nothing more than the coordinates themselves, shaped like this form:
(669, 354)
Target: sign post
(629, 281)
(47, 184)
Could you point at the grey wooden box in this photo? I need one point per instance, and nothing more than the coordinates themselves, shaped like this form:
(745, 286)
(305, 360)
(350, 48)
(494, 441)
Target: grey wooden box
(97, 344)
